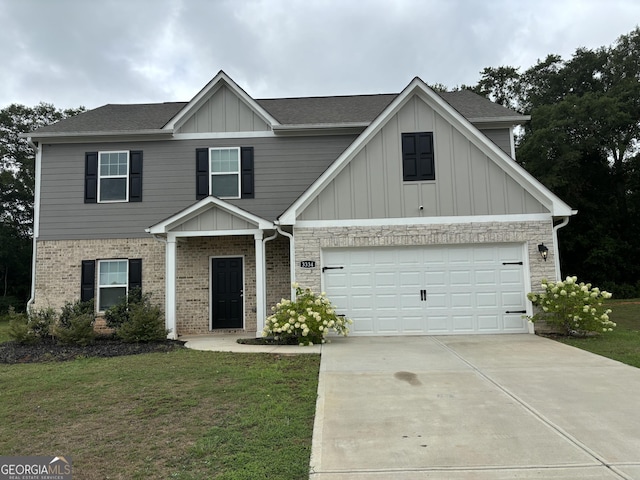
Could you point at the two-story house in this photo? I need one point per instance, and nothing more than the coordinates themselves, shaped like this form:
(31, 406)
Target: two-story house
(407, 209)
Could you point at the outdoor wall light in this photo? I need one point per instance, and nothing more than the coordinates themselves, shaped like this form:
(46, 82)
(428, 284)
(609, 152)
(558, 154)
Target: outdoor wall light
(544, 251)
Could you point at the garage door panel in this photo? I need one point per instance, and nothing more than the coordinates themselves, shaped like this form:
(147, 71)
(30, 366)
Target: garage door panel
(462, 323)
(461, 300)
(488, 323)
(460, 278)
(438, 324)
(468, 289)
(514, 323)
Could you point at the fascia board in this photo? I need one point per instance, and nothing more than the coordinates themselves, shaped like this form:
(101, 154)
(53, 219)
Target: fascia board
(200, 207)
(213, 86)
(109, 136)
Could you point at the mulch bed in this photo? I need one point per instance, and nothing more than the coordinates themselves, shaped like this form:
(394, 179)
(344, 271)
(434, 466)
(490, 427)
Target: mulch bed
(51, 351)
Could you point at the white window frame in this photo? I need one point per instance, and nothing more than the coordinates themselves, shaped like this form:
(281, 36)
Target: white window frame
(126, 177)
(238, 173)
(100, 286)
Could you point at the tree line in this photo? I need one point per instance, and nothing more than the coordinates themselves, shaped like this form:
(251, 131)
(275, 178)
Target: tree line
(583, 143)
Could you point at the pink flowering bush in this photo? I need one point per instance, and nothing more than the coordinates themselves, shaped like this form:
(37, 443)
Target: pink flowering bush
(308, 320)
(576, 308)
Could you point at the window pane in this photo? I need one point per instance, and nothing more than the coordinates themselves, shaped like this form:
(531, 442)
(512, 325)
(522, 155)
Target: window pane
(224, 160)
(113, 163)
(113, 272)
(224, 185)
(111, 296)
(113, 189)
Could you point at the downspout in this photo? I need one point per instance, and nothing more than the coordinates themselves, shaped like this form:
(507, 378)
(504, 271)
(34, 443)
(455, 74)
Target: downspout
(556, 258)
(292, 258)
(36, 220)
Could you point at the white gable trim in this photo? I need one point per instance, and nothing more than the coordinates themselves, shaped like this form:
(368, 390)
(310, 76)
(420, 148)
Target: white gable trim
(417, 87)
(202, 206)
(221, 79)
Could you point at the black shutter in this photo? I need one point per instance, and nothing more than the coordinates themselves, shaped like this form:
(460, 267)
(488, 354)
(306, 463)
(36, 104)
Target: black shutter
(202, 173)
(246, 172)
(135, 176)
(88, 280)
(135, 273)
(91, 177)
(418, 161)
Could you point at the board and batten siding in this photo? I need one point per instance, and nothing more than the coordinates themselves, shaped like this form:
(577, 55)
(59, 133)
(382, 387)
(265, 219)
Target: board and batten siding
(223, 112)
(467, 181)
(284, 168)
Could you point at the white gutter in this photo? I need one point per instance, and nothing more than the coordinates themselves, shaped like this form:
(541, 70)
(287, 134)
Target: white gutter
(36, 220)
(556, 258)
(292, 258)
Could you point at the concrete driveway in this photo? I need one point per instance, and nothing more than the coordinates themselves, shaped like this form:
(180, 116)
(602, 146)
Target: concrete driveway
(473, 407)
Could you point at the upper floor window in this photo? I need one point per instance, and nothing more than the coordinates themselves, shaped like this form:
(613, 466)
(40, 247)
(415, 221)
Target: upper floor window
(224, 172)
(418, 160)
(111, 177)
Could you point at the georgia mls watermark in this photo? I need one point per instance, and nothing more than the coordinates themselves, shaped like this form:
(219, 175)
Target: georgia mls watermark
(35, 468)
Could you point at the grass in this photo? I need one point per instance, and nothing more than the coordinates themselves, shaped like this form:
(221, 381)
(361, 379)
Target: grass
(623, 344)
(180, 415)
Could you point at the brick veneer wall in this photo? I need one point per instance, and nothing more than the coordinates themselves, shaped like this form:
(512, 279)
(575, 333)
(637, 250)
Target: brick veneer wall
(278, 271)
(310, 241)
(58, 267)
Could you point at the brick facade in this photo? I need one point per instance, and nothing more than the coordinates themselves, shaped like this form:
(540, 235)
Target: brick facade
(58, 273)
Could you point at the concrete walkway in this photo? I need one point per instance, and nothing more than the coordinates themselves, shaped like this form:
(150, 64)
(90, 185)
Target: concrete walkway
(473, 407)
(229, 343)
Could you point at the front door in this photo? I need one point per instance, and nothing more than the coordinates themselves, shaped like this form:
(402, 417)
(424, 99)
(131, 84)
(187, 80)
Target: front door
(227, 309)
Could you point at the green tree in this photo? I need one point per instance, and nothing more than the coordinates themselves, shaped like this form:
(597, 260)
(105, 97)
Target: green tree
(17, 182)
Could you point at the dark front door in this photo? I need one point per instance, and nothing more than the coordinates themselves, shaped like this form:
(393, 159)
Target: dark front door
(226, 293)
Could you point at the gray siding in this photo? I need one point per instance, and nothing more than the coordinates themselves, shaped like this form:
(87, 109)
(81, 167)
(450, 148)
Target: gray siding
(284, 168)
(501, 137)
(467, 181)
(214, 219)
(223, 112)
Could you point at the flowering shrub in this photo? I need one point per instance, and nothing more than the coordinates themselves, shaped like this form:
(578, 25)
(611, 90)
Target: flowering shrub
(308, 320)
(574, 307)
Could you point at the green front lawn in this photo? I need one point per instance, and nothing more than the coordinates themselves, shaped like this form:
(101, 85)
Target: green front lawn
(623, 344)
(182, 415)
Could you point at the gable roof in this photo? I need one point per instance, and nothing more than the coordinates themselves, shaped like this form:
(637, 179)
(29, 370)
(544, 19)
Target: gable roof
(202, 206)
(417, 87)
(359, 110)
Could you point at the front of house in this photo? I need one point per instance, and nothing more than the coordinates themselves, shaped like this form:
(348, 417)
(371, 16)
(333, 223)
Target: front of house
(407, 209)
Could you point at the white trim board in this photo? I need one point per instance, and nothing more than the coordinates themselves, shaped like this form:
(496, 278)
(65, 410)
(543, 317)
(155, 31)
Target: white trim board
(380, 222)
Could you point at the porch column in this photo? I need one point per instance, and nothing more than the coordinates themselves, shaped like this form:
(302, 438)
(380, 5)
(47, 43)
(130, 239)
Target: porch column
(260, 283)
(170, 286)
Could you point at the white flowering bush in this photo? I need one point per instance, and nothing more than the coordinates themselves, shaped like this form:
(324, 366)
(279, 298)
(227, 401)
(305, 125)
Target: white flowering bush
(306, 321)
(576, 308)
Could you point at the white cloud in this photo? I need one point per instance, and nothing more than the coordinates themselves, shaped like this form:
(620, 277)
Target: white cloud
(72, 52)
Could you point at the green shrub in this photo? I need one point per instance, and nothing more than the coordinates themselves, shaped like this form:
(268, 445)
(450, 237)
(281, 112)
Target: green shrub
(118, 314)
(75, 325)
(308, 320)
(19, 330)
(574, 307)
(145, 323)
(41, 322)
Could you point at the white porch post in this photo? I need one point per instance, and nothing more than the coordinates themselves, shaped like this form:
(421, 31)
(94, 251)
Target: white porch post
(260, 283)
(170, 286)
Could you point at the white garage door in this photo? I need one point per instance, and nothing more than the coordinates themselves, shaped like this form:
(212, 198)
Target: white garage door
(428, 290)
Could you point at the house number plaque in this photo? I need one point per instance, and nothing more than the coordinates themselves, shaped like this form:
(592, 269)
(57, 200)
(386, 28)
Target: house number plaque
(308, 264)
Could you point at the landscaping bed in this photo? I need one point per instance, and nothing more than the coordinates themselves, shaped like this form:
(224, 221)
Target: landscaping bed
(52, 351)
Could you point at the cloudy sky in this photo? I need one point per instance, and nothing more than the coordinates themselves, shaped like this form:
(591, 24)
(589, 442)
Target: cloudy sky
(93, 52)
